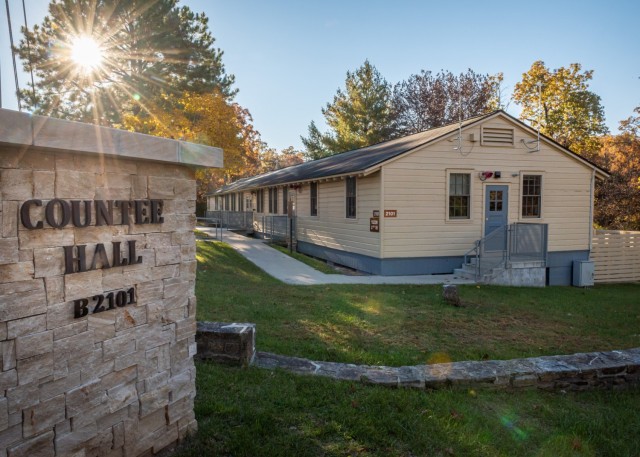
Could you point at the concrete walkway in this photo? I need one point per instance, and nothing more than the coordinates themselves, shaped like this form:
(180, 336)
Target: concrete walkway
(291, 271)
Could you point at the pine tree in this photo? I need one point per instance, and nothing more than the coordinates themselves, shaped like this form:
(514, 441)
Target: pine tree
(359, 116)
(148, 47)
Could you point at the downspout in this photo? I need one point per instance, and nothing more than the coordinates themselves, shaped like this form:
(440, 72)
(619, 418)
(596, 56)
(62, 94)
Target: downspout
(382, 230)
(591, 192)
(295, 215)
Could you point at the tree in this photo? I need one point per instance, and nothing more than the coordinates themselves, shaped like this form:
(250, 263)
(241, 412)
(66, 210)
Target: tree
(631, 124)
(290, 157)
(271, 160)
(206, 119)
(147, 47)
(359, 116)
(617, 204)
(425, 101)
(566, 110)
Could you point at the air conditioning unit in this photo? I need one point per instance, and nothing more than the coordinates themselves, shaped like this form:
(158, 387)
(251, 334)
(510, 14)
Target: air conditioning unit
(583, 273)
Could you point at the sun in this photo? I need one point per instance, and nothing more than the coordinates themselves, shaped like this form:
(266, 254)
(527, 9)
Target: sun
(86, 53)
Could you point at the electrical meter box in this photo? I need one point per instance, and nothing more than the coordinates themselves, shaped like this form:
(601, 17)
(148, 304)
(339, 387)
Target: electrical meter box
(583, 273)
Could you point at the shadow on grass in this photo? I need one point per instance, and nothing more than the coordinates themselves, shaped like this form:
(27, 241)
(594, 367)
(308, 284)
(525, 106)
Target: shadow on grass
(407, 325)
(252, 412)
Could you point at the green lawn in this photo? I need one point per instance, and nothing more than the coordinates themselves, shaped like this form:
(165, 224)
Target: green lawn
(255, 412)
(312, 262)
(407, 325)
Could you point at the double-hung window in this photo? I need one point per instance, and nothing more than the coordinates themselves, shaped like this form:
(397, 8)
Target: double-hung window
(313, 200)
(351, 198)
(275, 200)
(531, 196)
(459, 196)
(285, 199)
(260, 200)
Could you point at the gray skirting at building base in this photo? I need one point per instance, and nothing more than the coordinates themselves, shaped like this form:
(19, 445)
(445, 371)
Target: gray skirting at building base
(384, 267)
(559, 264)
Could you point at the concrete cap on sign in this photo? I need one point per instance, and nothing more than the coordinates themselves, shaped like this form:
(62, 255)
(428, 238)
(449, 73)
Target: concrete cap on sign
(22, 129)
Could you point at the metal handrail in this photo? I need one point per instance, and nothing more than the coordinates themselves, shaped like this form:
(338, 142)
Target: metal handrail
(476, 250)
(521, 242)
(242, 220)
(211, 221)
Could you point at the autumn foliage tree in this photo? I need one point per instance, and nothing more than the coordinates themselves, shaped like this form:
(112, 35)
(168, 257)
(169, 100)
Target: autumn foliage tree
(206, 119)
(565, 110)
(617, 204)
(428, 100)
(271, 160)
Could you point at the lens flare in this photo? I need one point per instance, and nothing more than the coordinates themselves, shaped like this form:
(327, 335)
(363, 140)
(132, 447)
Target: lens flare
(439, 365)
(509, 424)
(86, 53)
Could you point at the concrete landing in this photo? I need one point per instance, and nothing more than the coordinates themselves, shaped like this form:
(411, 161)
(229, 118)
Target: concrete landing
(291, 271)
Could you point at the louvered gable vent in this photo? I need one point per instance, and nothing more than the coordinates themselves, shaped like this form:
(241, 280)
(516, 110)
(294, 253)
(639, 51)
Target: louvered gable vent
(495, 136)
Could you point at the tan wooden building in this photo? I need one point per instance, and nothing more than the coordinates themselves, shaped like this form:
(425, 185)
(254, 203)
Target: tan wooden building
(419, 204)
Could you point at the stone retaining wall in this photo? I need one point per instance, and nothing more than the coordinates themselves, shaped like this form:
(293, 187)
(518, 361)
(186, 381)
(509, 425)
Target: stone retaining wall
(235, 343)
(614, 369)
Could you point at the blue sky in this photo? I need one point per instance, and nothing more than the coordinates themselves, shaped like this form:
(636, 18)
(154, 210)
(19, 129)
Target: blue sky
(290, 57)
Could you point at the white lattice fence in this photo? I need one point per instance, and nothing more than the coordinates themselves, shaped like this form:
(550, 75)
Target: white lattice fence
(616, 255)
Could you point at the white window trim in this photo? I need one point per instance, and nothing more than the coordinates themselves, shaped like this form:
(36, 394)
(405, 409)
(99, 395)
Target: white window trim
(472, 174)
(542, 202)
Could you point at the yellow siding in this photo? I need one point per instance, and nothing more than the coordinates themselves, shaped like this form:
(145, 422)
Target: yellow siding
(331, 228)
(416, 186)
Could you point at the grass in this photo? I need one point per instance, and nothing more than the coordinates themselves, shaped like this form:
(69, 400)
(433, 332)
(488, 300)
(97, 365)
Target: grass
(253, 412)
(407, 325)
(200, 233)
(311, 261)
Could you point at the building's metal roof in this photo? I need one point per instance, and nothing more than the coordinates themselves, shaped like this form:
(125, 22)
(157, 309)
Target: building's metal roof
(345, 163)
(363, 159)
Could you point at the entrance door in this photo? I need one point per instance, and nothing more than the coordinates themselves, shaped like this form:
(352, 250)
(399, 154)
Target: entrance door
(496, 214)
(496, 204)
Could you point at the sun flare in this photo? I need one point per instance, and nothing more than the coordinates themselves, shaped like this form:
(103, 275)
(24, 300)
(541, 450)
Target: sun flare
(86, 53)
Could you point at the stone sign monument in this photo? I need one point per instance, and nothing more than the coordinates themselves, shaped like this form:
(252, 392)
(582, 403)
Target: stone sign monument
(97, 272)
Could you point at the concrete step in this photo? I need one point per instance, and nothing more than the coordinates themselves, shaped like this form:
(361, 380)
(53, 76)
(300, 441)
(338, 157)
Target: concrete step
(466, 273)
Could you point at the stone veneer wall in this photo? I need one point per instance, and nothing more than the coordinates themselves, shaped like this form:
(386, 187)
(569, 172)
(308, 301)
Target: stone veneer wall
(118, 383)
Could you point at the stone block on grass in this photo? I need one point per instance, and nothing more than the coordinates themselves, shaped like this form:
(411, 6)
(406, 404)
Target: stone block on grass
(233, 344)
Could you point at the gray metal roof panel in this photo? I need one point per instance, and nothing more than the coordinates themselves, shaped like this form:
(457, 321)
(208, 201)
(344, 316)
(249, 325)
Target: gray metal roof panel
(355, 161)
